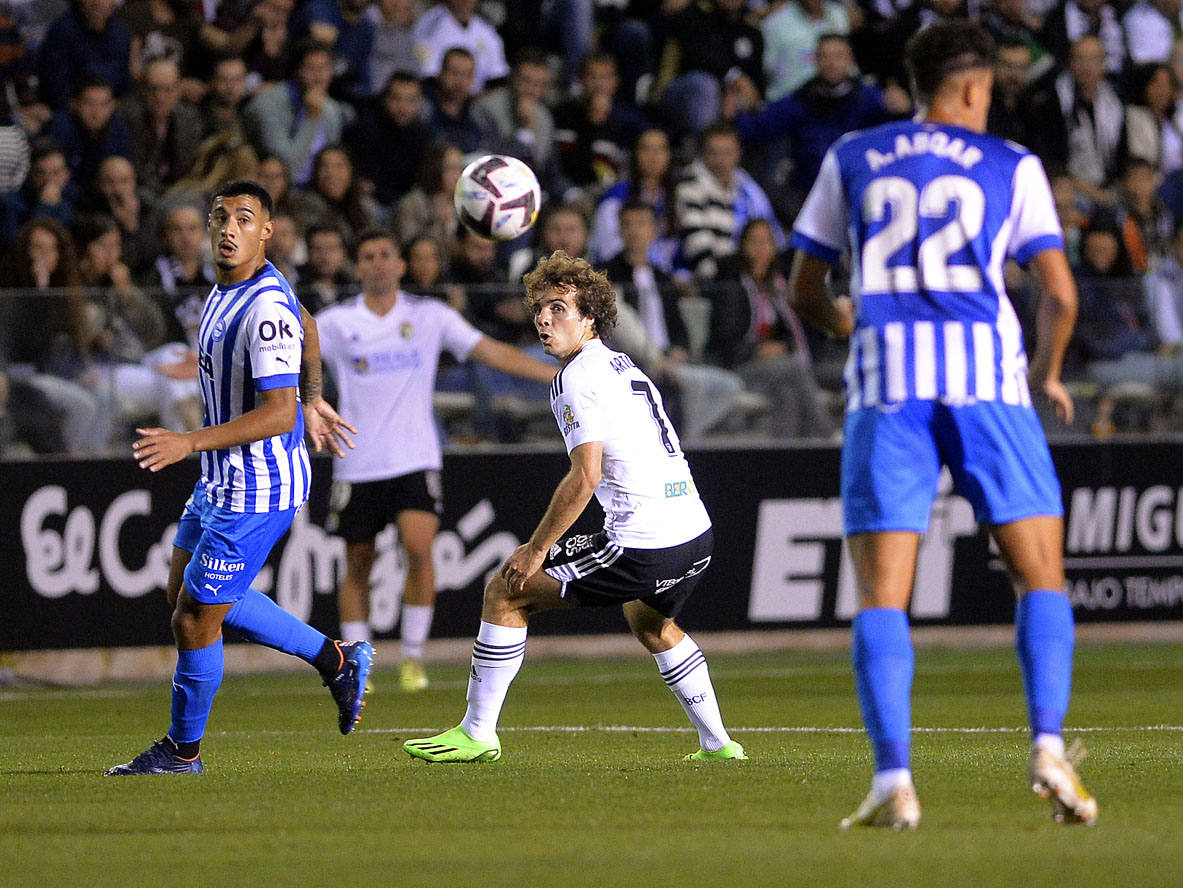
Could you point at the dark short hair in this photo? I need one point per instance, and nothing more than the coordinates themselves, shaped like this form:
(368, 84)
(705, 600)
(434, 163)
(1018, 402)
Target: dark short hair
(320, 228)
(457, 51)
(372, 234)
(247, 187)
(90, 81)
(833, 35)
(945, 49)
(636, 205)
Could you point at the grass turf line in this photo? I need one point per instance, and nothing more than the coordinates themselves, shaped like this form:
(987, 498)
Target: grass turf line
(288, 800)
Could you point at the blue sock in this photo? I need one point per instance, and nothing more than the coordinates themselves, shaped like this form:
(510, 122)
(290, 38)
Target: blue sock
(197, 679)
(883, 662)
(259, 619)
(1043, 641)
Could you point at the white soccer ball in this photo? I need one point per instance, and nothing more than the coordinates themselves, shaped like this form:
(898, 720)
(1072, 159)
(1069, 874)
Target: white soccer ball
(497, 197)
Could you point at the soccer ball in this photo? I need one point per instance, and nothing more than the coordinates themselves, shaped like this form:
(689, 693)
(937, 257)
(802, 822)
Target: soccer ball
(497, 197)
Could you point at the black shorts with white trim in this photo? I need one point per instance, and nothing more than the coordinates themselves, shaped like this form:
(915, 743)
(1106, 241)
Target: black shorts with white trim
(596, 572)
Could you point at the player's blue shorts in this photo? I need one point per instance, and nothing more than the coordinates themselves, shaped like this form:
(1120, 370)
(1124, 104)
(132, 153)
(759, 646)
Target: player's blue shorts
(996, 453)
(228, 548)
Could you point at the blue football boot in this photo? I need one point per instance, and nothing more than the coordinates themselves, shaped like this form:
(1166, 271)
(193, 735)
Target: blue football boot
(348, 686)
(157, 759)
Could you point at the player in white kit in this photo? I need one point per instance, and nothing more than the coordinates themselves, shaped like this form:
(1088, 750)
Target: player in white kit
(656, 540)
(383, 347)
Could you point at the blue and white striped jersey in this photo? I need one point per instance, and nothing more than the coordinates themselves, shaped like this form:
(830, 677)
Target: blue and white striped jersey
(250, 340)
(930, 212)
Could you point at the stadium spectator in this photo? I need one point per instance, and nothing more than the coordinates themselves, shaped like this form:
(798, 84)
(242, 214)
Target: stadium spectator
(651, 177)
(48, 191)
(428, 209)
(91, 130)
(716, 198)
(275, 175)
(165, 29)
(221, 108)
(601, 419)
(428, 273)
(697, 396)
(756, 333)
(389, 137)
(297, 118)
(791, 33)
(594, 131)
(182, 275)
(1152, 134)
(393, 475)
(165, 130)
(1071, 20)
(453, 23)
(630, 30)
(559, 227)
(1011, 23)
(343, 25)
(88, 41)
(325, 278)
(517, 121)
(707, 45)
(1012, 68)
(14, 151)
(1142, 217)
(44, 324)
(134, 209)
(802, 125)
(1161, 367)
(286, 248)
(334, 197)
(1150, 28)
(394, 47)
(449, 97)
(1078, 122)
(268, 49)
(221, 157)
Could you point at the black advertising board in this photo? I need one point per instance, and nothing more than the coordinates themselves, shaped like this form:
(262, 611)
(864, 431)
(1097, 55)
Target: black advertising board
(87, 545)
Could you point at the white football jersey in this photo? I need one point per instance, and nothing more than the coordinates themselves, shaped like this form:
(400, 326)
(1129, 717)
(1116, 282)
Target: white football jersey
(385, 368)
(646, 490)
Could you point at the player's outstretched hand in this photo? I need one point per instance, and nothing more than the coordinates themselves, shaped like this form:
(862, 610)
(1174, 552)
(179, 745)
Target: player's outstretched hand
(1060, 399)
(158, 448)
(326, 428)
(520, 566)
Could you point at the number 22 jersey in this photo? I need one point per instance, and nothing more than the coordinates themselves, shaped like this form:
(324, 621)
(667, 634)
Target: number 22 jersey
(646, 490)
(931, 212)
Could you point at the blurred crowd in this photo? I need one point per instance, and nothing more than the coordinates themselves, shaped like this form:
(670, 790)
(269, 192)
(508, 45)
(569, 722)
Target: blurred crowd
(674, 141)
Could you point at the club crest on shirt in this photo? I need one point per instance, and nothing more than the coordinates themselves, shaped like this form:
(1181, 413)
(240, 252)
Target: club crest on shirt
(406, 330)
(219, 330)
(570, 423)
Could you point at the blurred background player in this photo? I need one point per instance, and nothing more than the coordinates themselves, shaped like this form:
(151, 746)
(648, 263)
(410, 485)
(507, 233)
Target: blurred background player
(938, 375)
(657, 538)
(255, 476)
(383, 347)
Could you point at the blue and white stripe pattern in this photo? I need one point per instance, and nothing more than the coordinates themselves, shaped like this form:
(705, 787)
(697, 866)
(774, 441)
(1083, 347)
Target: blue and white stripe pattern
(587, 564)
(250, 340)
(931, 214)
(678, 672)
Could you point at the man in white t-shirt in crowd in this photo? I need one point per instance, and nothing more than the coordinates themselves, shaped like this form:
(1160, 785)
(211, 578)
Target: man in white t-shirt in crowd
(456, 23)
(656, 541)
(383, 347)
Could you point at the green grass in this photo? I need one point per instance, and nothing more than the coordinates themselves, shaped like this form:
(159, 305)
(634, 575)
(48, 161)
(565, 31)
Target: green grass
(579, 798)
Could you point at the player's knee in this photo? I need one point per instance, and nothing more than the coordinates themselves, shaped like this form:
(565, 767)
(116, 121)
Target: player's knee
(496, 590)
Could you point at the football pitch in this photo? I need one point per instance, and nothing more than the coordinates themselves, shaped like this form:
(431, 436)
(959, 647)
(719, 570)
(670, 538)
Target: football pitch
(591, 789)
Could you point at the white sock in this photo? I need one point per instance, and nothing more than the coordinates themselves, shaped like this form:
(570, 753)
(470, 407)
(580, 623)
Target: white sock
(416, 624)
(355, 630)
(684, 668)
(496, 658)
(884, 783)
(1053, 743)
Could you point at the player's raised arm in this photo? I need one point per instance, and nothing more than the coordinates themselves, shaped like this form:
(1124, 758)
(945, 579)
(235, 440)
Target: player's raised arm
(504, 357)
(1053, 328)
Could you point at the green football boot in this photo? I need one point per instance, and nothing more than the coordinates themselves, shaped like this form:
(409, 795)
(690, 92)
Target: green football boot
(454, 746)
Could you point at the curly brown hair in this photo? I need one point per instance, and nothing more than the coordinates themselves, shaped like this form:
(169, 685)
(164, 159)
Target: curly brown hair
(594, 296)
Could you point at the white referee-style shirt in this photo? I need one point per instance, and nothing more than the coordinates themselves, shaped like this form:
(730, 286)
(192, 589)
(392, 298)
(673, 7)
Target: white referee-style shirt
(648, 495)
(249, 341)
(930, 213)
(385, 367)
(437, 31)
